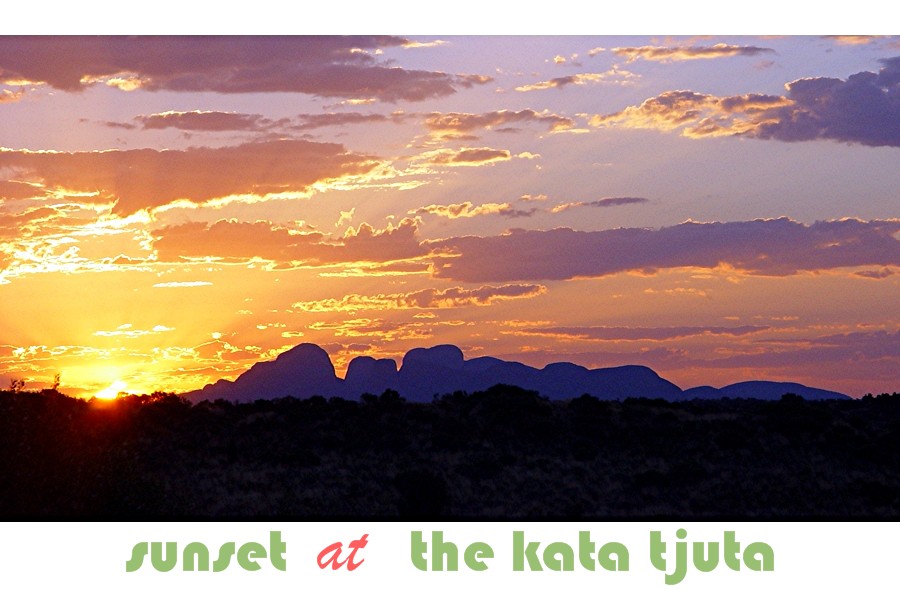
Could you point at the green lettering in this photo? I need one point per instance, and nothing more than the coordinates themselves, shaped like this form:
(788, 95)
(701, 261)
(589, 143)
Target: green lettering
(137, 557)
(476, 551)
(521, 553)
(711, 561)
(417, 548)
(225, 554)
(277, 549)
(440, 549)
(586, 550)
(657, 551)
(731, 551)
(759, 556)
(677, 576)
(161, 564)
(198, 550)
(558, 556)
(606, 560)
(247, 553)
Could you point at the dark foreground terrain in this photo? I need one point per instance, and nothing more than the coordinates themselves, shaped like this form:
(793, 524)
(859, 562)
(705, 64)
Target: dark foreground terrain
(503, 454)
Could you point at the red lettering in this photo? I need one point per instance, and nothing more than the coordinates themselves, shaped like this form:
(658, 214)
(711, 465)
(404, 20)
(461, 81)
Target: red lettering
(334, 550)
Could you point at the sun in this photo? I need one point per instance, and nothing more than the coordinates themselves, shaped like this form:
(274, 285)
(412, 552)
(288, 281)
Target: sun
(112, 391)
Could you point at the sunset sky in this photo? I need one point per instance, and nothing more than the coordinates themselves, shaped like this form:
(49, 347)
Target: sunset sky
(720, 209)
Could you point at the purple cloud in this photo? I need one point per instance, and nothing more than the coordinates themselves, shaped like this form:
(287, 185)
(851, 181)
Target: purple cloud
(773, 247)
(604, 333)
(319, 65)
(864, 109)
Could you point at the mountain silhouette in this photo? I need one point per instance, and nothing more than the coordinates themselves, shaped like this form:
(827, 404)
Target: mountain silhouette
(306, 370)
(302, 371)
(761, 389)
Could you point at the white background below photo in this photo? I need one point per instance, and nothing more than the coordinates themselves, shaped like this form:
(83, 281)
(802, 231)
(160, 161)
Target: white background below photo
(805, 554)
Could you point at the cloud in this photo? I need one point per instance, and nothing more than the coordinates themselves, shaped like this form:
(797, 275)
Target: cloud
(112, 124)
(602, 203)
(771, 247)
(604, 333)
(215, 121)
(877, 274)
(194, 284)
(345, 217)
(234, 240)
(146, 178)
(389, 268)
(204, 121)
(467, 209)
(429, 298)
(128, 331)
(424, 44)
(853, 39)
(27, 221)
(665, 54)
(864, 109)
(455, 125)
(613, 76)
(11, 95)
(679, 291)
(318, 65)
(861, 361)
(699, 115)
(467, 156)
(17, 190)
(377, 329)
(831, 352)
(309, 122)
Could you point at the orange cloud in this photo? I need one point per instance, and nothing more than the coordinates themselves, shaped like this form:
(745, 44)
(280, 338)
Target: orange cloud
(128, 331)
(233, 240)
(377, 329)
(613, 76)
(11, 96)
(475, 156)
(464, 209)
(145, 178)
(308, 122)
(854, 39)
(664, 54)
(700, 115)
(17, 190)
(863, 356)
(428, 298)
(424, 44)
(192, 284)
(876, 274)
(27, 221)
(389, 268)
(455, 125)
(605, 333)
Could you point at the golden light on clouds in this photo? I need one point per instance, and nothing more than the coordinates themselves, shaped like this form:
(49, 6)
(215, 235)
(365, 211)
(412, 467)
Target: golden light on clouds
(173, 210)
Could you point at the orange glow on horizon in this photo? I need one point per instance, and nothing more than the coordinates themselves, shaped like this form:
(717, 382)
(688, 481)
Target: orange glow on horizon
(112, 391)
